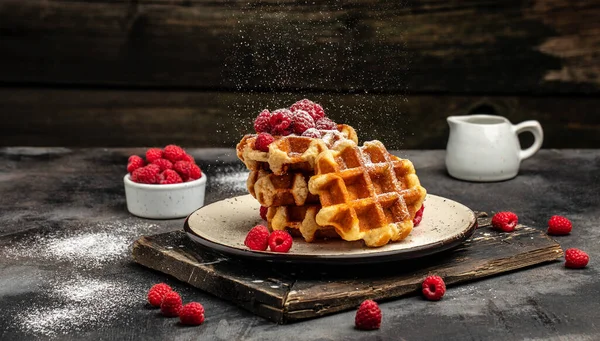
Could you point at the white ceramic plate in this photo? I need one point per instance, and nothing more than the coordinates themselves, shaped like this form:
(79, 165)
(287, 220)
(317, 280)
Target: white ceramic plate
(223, 226)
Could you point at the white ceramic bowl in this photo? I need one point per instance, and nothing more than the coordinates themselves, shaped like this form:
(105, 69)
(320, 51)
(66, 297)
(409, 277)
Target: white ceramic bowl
(164, 201)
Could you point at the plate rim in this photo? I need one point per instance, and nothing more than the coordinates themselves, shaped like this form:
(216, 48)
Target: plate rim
(375, 257)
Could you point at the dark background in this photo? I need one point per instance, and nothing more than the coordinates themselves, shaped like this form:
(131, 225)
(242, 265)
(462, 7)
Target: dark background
(195, 72)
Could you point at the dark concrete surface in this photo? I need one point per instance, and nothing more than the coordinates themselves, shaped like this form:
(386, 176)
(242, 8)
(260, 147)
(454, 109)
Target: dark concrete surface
(66, 271)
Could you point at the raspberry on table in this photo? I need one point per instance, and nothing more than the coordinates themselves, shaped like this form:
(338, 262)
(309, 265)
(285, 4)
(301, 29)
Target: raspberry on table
(263, 140)
(170, 176)
(171, 304)
(145, 175)
(559, 225)
(368, 316)
(192, 314)
(418, 216)
(312, 132)
(263, 212)
(163, 164)
(153, 154)
(257, 238)
(325, 124)
(262, 123)
(134, 162)
(280, 241)
(281, 122)
(505, 221)
(173, 153)
(576, 258)
(433, 288)
(313, 109)
(157, 292)
(302, 121)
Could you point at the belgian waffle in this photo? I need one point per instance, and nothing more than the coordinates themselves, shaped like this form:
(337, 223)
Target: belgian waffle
(299, 220)
(280, 190)
(292, 153)
(366, 193)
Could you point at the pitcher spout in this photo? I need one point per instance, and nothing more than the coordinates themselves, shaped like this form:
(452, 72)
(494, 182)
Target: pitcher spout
(454, 120)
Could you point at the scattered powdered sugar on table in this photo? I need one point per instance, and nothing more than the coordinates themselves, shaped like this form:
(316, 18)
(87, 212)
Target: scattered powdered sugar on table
(73, 299)
(89, 247)
(232, 179)
(80, 304)
(93, 248)
(85, 290)
(49, 321)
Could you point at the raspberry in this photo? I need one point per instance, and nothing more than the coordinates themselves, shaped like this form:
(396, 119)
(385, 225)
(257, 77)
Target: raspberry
(171, 304)
(169, 176)
(505, 221)
(187, 170)
(418, 216)
(576, 259)
(156, 293)
(368, 316)
(134, 163)
(173, 153)
(302, 121)
(257, 238)
(263, 212)
(263, 140)
(145, 175)
(434, 288)
(312, 132)
(188, 158)
(281, 122)
(192, 314)
(154, 168)
(280, 241)
(163, 164)
(262, 124)
(313, 109)
(325, 124)
(183, 169)
(558, 225)
(195, 172)
(153, 154)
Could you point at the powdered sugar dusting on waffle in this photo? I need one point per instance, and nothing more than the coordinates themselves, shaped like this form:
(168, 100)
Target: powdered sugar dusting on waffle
(332, 138)
(366, 158)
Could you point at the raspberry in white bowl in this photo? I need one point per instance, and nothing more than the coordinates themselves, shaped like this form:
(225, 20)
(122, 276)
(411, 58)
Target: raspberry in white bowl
(167, 184)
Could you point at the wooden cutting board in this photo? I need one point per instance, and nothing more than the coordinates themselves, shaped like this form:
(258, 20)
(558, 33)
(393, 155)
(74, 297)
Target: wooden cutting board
(287, 293)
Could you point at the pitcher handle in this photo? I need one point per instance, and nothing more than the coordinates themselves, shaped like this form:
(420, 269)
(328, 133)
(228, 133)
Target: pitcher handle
(535, 128)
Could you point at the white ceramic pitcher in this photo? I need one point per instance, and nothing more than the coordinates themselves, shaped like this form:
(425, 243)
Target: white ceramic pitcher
(486, 147)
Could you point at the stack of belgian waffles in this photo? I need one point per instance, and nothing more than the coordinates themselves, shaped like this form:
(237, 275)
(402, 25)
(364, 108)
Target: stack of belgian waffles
(317, 182)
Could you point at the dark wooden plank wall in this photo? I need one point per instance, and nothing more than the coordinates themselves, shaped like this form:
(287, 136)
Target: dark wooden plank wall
(124, 73)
